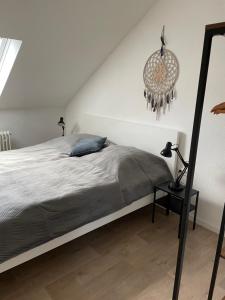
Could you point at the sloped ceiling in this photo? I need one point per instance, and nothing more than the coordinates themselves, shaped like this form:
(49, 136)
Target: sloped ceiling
(64, 42)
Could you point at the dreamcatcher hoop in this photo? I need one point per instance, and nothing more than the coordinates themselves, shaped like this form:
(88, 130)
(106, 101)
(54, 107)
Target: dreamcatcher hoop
(160, 75)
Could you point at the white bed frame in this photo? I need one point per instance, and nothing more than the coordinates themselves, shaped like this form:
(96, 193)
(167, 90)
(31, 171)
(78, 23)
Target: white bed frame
(144, 136)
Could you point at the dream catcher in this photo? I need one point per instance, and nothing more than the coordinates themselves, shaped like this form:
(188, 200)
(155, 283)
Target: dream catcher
(160, 75)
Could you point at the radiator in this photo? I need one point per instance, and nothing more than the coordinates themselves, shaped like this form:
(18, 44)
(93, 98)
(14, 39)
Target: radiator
(5, 141)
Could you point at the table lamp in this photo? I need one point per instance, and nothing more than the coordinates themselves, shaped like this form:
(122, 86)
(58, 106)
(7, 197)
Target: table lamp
(62, 124)
(167, 152)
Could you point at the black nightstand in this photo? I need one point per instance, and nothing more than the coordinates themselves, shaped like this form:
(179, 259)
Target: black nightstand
(173, 201)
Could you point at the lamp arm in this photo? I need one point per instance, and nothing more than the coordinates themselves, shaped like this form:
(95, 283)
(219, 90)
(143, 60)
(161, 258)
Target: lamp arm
(181, 157)
(186, 165)
(181, 175)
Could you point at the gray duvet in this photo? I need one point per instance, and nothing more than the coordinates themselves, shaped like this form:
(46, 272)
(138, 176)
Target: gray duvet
(44, 193)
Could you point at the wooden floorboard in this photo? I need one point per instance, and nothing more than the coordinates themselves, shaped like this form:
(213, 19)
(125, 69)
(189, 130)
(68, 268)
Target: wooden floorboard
(130, 258)
(223, 253)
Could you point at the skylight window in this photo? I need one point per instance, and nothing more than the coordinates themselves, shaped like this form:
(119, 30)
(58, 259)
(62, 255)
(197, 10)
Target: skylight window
(9, 49)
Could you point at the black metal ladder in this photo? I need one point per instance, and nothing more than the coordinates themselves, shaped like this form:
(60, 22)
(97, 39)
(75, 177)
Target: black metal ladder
(218, 256)
(211, 31)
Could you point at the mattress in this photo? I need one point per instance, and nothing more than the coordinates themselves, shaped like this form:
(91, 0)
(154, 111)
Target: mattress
(44, 193)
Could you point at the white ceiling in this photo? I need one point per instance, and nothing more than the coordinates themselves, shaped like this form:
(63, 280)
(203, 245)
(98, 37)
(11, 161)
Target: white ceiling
(64, 42)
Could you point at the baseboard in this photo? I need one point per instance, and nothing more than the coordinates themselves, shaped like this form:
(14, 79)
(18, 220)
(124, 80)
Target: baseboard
(206, 225)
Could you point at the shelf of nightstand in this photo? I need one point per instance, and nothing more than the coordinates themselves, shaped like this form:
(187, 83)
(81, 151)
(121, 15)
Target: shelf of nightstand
(173, 201)
(175, 204)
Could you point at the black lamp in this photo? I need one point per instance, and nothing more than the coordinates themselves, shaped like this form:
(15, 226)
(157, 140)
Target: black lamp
(62, 124)
(167, 152)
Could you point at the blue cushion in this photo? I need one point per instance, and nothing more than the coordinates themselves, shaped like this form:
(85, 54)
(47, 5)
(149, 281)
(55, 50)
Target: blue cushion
(88, 146)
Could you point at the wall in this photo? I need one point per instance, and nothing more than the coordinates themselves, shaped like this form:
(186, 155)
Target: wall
(116, 89)
(31, 126)
(60, 47)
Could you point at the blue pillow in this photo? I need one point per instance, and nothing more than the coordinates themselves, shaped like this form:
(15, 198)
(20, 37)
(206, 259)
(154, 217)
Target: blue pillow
(88, 146)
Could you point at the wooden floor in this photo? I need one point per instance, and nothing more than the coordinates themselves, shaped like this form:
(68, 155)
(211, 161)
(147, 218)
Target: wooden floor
(130, 258)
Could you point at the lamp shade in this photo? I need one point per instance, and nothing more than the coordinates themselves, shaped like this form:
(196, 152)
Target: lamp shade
(61, 122)
(167, 152)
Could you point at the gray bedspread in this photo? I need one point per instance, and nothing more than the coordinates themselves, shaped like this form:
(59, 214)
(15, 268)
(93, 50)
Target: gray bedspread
(44, 193)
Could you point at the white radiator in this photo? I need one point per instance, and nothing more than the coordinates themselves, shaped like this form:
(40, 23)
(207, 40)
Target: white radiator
(5, 141)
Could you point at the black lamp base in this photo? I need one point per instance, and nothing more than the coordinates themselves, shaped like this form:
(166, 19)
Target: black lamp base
(177, 187)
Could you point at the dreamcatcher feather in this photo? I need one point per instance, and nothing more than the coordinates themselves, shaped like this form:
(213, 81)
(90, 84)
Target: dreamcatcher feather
(160, 75)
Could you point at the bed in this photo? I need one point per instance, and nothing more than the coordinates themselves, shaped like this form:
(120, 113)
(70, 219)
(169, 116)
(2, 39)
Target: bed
(48, 198)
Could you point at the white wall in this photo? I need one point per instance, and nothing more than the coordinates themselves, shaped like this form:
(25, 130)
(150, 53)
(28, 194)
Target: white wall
(60, 47)
(29, 127)
(116, 89)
